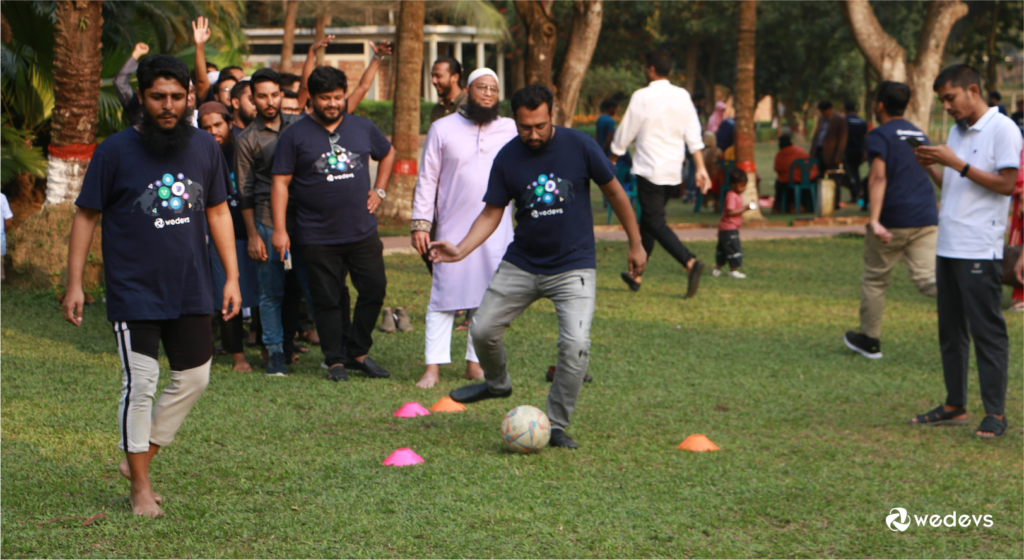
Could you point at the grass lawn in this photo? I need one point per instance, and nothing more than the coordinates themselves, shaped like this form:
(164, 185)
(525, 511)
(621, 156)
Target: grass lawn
(814, 446)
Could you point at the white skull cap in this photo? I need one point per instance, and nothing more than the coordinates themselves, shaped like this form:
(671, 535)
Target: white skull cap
(479, 72)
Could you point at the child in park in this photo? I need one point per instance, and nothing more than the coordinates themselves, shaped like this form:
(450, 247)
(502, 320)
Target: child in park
(728, 249)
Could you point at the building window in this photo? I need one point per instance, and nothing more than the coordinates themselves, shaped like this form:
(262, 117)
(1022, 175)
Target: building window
(333, 48)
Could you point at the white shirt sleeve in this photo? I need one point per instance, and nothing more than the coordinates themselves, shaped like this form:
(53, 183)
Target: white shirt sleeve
(5, 208)
(1008, 146)
(691, 126)
(629, 128)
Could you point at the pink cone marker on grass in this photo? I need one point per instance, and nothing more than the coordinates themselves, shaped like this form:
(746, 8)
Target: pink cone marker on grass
(402, 458)
(411, 410)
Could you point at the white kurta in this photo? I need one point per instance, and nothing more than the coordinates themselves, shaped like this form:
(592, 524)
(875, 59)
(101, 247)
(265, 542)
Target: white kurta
(454, 170)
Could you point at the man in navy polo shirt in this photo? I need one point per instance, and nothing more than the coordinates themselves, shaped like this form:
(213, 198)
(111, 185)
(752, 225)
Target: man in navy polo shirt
(157, 185)
(325, 158)
(547, 172)
(904, 217)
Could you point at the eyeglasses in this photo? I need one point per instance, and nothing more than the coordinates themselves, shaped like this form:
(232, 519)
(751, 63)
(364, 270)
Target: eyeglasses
(486, 89)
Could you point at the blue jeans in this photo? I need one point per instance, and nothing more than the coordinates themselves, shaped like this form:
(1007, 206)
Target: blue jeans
(271, 274)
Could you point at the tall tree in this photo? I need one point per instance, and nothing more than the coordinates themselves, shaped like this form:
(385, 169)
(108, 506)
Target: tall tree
(889, 58)
(397, 207)
(291, 12)
(745, 36)
(541, 40)
(77, 62)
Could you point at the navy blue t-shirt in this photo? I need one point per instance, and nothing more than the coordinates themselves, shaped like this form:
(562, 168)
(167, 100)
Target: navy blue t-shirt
(909, 197)
(154, 224)
(551, 187)
(726, 135)
(856, 130)
(605, 128)
(330, 180)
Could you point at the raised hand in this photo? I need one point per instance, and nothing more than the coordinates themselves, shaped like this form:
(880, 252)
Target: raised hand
(201, 30)
(321, 43)
(381, 49)
(141, 50)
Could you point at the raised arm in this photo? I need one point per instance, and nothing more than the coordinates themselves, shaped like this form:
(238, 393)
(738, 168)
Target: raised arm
(201, 34)
(122, 81)
(380, 50)
(309, 66)
(483, 227)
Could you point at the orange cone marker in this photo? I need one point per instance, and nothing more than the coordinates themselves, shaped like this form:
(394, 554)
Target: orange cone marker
(446, 404)
(698, 442)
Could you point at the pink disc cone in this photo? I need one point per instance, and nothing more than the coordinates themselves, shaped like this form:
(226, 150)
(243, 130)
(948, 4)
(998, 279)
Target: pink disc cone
(403, 458)
(411, 410)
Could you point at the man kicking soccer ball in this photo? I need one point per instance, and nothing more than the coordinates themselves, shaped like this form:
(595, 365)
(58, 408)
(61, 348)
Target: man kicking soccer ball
(547, 172)
(156, 264)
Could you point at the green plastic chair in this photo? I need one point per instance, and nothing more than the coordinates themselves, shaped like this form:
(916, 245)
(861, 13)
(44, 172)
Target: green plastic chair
(727, 167)
(805, 184)
(628, 182)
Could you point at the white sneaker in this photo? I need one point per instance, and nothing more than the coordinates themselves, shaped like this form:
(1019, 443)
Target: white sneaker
(716, 272)
(737, 274)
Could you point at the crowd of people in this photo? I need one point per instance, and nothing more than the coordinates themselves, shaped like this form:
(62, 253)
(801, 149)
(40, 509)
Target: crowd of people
(273, 204)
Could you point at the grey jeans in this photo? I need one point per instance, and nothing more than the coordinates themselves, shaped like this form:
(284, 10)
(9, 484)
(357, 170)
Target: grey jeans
(510, 292)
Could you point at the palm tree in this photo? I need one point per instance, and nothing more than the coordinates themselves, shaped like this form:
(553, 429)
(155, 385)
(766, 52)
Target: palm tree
(77, 63)
(745, 103)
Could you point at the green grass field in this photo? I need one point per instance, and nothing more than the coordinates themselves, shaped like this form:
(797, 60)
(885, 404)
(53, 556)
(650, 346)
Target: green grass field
(814, 446)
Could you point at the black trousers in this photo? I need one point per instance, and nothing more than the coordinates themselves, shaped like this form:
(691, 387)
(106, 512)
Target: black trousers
(653, 199)
(728, 249)
(853, 163)
(232, 333)
(327, 264)
(970, 305)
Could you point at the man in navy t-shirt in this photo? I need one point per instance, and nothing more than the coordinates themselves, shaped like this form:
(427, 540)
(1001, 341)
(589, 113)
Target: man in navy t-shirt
(157, 185)
(904, 217)
(325, 158)
(547, 173)
(856, 131)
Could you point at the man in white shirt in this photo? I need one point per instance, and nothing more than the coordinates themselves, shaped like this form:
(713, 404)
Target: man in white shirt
(981, 158)
(663, 121)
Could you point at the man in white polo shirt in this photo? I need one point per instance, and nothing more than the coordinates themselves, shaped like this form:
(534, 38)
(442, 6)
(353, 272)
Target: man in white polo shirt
(664, 123)
(981, 158)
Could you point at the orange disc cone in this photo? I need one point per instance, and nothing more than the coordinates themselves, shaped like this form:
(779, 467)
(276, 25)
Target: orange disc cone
(698, 442)
(446, 404)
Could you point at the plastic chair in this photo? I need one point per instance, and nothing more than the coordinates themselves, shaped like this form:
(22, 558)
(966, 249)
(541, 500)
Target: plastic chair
(805, 184)
(625, 176)
(726, 167)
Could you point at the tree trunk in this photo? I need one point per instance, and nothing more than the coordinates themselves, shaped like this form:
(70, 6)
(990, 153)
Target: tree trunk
(541, 40)
(889, 59)
(745, 104)
(397, 207)
(288, 42)
(586, 27)
(869, 93)
(322, 21)
(77, 62)
(992, 68)
(518, 77)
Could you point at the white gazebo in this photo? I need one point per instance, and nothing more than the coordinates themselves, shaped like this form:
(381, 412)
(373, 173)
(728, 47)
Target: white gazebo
(350, 51)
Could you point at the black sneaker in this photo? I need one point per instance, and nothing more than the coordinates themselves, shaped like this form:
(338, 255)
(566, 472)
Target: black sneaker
(633, 284)
(337, 373)
(368, 367)
(693, 278)
(561, 439)
(863, 345)
(276, 365)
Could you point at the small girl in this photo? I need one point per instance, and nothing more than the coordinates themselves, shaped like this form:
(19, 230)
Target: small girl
(728, 249)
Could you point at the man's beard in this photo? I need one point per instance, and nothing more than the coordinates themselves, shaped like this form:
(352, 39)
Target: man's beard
(327, 120)
(160, 142)
(479, 114)
(246, 119)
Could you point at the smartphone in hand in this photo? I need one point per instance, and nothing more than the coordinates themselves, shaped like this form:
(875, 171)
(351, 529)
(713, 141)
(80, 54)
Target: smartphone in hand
(914, 142)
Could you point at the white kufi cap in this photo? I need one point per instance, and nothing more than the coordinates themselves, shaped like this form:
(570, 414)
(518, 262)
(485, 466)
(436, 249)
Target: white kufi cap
(480, 72)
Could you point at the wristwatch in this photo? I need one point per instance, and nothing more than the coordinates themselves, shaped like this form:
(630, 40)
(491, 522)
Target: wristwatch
(381, 193)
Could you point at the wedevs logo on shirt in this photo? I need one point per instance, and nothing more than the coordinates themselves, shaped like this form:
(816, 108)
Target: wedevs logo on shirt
(547, 191)
(160, 222)
(175, 193)
(340, 161)
(899, 520)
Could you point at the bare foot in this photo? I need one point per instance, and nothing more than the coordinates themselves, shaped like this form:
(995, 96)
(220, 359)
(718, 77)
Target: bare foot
(240, 363)
(144, 503)
(430, 377)
(127, 473)
(474, 371)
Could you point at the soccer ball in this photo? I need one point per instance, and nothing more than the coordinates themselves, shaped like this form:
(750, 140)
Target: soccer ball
(525, 429)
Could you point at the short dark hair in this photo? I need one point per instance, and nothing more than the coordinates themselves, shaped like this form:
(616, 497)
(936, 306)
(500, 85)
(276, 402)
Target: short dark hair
(608, 104)
(995, 95)
(531, 97)
(239, 89)
(211, 67)
(737, 176)
(161, 66)
(698, 96)
(224, 78)
(826, 104)
(290, 94)
(850, 106)
(894, 96)
(288, 79)
(785, 141)
(263, 75)
(454, 66)
(326, 78)
(660, 60)
(957, 75)
(230, 68)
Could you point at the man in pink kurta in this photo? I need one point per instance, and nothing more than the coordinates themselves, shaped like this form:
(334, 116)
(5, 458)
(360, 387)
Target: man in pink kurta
(452, 182)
